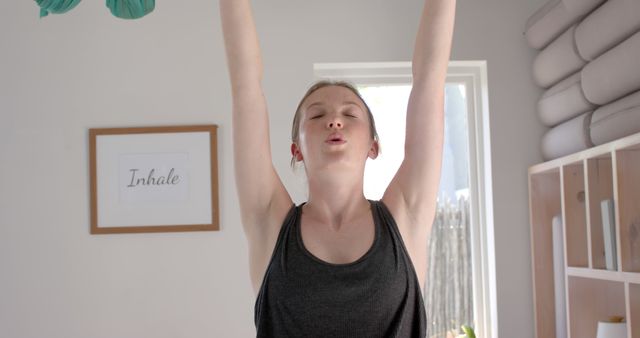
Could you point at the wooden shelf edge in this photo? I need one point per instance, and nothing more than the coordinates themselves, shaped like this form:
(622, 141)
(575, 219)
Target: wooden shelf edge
(586, 154)
(615, 276)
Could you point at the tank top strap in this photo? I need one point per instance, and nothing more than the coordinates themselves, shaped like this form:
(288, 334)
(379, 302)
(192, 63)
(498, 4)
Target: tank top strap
(418, 322)
(385, 217)
(285, 229)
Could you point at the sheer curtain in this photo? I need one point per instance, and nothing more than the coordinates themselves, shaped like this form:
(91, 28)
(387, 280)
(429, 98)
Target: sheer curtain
(448, 288)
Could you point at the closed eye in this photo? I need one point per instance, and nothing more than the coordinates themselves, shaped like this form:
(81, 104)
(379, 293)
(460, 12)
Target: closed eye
(316, 116)
(350, 113)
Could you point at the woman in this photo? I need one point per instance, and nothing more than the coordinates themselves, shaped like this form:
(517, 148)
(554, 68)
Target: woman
(338, 265)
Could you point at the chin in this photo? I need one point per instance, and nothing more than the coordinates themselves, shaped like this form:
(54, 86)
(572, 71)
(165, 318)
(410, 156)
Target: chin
(339, 162)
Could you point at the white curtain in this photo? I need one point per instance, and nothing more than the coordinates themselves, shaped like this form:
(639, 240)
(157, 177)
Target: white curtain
(448, 288)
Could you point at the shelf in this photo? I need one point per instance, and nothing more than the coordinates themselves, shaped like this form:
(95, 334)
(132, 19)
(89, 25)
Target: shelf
(634, 309)
(575, 214)
(566, 216)
(629, 141)
(593, 300)
(615, 276)
(628, 174)
(600, 187)
(545, 204)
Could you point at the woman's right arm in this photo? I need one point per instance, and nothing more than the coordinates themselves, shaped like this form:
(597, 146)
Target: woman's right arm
(264, 201)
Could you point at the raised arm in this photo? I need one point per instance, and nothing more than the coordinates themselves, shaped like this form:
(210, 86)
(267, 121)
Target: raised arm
(263, 198)
(413, 191)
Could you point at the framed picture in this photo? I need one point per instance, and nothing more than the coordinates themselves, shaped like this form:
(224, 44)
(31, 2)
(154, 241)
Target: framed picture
(154, 179)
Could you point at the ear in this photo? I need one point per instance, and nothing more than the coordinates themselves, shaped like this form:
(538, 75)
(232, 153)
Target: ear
(295, 152)
(373, 152)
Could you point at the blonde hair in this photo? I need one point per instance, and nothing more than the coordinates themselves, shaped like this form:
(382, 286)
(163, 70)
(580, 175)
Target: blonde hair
(295, 128)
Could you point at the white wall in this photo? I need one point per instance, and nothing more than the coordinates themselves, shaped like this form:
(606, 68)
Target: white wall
(63, 74)
(492, 30)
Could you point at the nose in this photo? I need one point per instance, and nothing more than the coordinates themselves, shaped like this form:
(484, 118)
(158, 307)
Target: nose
(334, 123)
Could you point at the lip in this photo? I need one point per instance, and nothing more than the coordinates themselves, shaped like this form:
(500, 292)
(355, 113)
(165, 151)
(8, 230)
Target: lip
(335, 138)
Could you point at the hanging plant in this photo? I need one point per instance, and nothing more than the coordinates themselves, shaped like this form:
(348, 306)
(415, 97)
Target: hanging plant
(56, 6)
(124, 9)
(131, 9)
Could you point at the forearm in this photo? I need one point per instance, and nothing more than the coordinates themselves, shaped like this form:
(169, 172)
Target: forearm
(241, 45)
(419, 174)
(252, 152)
(433, 43)
(430, 60)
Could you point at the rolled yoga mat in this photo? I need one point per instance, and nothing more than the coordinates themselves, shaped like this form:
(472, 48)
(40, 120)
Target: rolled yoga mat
(616, 120)
(558, 60)
(567, 138)
(563, 101)
(614, 74)
(607, 26)
(553, 18)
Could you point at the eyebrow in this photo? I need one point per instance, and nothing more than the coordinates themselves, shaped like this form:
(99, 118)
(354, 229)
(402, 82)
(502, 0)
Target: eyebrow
(345, 103)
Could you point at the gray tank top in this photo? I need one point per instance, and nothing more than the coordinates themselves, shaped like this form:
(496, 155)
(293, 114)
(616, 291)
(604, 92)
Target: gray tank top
(377, 295)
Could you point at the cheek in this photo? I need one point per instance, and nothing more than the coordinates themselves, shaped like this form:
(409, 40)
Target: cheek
(303, 138)
(364, 129)
(308, 130)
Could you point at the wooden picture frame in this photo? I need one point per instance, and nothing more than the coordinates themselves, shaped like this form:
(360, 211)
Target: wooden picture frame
(154, 179)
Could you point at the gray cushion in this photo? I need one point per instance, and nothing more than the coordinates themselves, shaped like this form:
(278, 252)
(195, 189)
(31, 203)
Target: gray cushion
(614, 74)
(553, 18)
(607, 26)
(616, 120)
(567, 138)
(558, 60)
(563, 101)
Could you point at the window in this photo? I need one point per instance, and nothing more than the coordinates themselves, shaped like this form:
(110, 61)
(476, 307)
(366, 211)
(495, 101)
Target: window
(459, 288)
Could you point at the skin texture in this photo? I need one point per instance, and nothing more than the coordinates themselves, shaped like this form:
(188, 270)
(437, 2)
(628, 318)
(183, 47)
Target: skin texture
(334, 145)
(335, 142)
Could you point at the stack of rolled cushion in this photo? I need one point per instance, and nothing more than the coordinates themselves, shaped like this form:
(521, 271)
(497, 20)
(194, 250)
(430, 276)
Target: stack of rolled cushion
(589, 64)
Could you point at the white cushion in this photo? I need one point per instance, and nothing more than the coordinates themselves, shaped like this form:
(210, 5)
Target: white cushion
(614, 74)
(553, 18)
(616, 120)
(607, 26)
(567, 138)
(558, 60)
(563, 101)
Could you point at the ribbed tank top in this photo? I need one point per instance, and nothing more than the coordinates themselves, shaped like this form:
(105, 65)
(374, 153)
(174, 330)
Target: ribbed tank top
(377, 295)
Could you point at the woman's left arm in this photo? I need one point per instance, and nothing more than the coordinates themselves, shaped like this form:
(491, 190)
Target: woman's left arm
(412, 193)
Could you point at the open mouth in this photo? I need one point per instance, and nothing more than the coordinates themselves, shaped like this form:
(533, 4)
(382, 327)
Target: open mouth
(335, 138)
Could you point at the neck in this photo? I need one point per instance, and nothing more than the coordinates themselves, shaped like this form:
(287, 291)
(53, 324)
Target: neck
(336, 200)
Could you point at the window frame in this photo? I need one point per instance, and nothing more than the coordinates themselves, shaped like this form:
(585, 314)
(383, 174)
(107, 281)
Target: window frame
(473, 75)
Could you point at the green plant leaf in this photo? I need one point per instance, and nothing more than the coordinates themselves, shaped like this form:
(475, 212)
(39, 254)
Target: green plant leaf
(468, 331)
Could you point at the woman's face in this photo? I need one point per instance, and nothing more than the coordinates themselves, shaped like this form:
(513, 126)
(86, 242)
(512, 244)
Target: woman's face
(334, 129)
